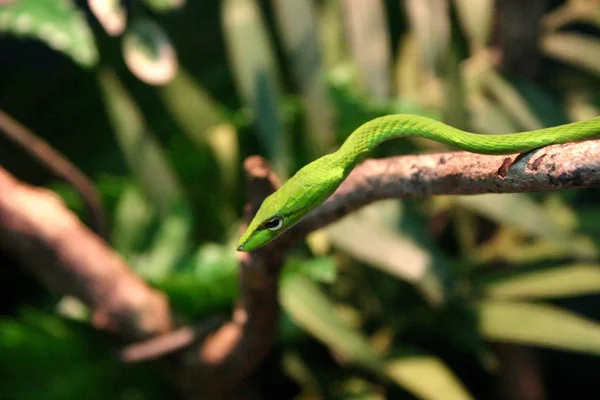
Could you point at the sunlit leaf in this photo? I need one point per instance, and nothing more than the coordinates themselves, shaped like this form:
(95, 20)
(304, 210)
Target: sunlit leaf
(487, 117)
(257, 76)
(538, 325)
(332, 33)
(299, 31)
(430, 23)
(576, 49)
(168, 247)
(148, 52)
(564, 281)
(201, 119)
(111, 15)
(520, 212)
(321, 269)
(508, 97)
(310, 308)
(356, 388)
(385, 249)
(408, 71)
(427, 377)
(516, 210)
(59, 24)
(369, 41)
(132, 217)
(164, 5)
(206, 284)
(142, 152)
(573, 11)
(476, 17)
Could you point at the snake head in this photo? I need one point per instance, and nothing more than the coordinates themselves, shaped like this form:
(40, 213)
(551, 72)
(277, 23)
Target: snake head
(287, 206)
(268, 223)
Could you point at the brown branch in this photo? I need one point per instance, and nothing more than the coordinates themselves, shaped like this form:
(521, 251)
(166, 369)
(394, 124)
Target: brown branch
(37, 229)
(568, 166)
(234, 351)
(56, 163)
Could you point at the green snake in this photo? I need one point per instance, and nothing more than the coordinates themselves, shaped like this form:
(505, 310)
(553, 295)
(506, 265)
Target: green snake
(315, 182)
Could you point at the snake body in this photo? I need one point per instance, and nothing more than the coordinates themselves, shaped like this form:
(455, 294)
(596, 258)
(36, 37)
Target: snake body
(316, 181)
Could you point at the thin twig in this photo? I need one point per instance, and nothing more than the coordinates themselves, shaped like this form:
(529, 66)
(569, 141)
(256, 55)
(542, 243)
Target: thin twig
(238, 348)
(170, 342)
(56, 163)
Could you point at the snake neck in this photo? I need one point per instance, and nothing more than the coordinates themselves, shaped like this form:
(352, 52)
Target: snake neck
(368, 136)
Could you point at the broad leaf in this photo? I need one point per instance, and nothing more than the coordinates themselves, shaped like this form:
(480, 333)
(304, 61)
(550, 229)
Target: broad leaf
(57, 23)
(257, 76)
(309, 307)
(576, 49)
(538, 325)
(299, 30)
(369, 41)
(164, 5)
(564, 281)
(142, 151)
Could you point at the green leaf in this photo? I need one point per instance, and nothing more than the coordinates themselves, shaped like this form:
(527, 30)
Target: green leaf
(523, 213)
(538, 325)
(563, 281)
(133, 215)
(44, 357)
(206, 284)
(476, 17)
(516, 210)
(257, 76)
(363, 236)
(57, 23)
(370, 45)
(148, 52)
(322, 269)
(164, 5)
(427, 377)
(168, 247)
(332, 33)
(430, 25)
(142, 151)
(299, 31)
(576, 49)
(203, 121)
(510, 99)
(309, 307)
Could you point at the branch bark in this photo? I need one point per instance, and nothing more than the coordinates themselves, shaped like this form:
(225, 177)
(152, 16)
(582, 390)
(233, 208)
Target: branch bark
(58, 164)
(68, 258)
(567, 166)
(236, 349)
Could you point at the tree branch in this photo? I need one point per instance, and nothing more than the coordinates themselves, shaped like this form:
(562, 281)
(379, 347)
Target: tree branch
(238, 348)
(68, 258)
(56, 163)
(568, 166)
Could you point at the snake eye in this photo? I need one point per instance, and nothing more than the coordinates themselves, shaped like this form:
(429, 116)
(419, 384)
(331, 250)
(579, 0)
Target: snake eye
(274, 224)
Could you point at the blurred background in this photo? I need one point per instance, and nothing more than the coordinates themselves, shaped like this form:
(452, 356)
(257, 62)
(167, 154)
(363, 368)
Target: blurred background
(160, 101)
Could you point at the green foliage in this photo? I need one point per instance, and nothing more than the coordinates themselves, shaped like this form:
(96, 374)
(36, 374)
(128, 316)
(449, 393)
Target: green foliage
(58, 23)
(381, 302)
(44, 357)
